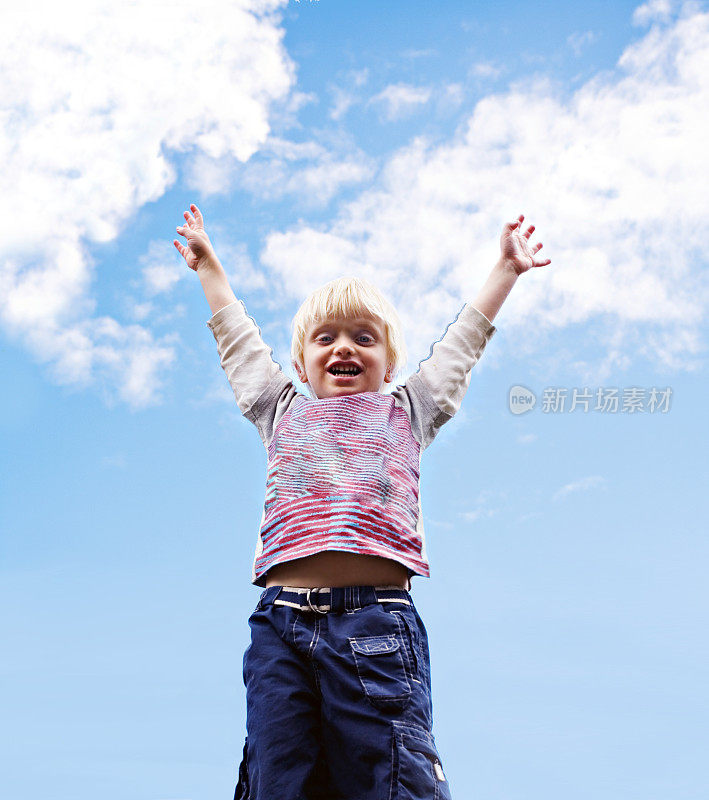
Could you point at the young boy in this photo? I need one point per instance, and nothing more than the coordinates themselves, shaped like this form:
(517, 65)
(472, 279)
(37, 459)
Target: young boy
(338, 685)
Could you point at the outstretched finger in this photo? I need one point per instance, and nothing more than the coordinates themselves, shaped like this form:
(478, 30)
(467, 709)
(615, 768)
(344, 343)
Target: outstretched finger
(528, 232)
(197, 213)
(538, 247)
(542, 263)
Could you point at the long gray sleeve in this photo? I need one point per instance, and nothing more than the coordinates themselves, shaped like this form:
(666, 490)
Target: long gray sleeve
(433, 395)
(262, 391)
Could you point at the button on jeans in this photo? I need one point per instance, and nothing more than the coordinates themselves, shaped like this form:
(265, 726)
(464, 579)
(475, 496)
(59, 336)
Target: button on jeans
(339, 703)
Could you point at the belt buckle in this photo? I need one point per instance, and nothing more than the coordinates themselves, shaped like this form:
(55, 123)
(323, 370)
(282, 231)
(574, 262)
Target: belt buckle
(312, 607)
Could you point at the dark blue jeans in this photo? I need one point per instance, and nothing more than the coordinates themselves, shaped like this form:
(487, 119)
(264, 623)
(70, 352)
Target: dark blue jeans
(339, 702)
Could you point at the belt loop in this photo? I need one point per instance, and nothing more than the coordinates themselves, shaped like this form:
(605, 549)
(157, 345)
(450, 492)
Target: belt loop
(259, 605)
(352, 598)
(268, 596)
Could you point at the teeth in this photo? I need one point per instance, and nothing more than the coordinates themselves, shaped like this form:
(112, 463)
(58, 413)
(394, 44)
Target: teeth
(345, 370)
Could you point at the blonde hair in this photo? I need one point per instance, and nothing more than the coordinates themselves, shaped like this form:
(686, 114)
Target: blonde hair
(345, 298)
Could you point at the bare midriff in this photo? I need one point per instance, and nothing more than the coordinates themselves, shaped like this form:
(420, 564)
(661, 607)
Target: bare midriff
(336, 568)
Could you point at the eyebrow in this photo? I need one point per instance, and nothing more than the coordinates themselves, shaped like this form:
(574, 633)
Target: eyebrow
(368, 324)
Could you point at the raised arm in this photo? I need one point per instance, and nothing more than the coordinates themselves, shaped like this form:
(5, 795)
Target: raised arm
(435, 392)
(261, 389)
(517, 255)
(200, 256)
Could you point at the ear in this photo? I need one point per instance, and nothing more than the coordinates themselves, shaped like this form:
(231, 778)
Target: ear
(389, 374)
(301, 372)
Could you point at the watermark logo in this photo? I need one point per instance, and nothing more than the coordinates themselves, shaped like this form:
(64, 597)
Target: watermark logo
(603, 399)
(521, 399)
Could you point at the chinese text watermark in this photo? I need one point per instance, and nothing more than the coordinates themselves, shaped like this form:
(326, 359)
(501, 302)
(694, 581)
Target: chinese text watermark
(605, 400)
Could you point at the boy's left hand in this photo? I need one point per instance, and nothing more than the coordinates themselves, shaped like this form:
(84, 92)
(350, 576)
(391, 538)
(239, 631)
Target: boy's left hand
(517, 252)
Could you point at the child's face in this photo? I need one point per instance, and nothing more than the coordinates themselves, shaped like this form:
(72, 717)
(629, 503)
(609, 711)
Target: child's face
(356, 348)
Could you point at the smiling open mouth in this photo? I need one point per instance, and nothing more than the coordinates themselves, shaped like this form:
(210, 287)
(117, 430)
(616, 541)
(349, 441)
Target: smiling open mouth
(344, 370)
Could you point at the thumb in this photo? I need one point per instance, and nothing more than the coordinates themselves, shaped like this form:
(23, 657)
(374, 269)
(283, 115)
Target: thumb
(186, 231)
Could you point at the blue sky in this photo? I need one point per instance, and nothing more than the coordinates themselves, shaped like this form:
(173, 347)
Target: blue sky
(390, 141)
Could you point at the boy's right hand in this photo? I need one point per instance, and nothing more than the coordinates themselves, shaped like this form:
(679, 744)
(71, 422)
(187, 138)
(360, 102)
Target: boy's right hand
(198, 250)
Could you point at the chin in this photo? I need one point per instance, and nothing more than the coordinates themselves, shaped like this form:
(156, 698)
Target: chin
(343, 391)
(338, 392)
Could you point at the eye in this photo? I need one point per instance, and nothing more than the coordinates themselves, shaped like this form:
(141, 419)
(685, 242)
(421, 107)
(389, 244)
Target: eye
(366, 338)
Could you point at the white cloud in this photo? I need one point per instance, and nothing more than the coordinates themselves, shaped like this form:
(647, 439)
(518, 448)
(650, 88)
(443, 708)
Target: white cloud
(342, 101)
(314, 184)
(655, 10)
(437, 523)
(401, 99)
(451, 97)
(527, 438)
(485, 69)
(583, 485)
(483, 506)
(164, 268)
(614, 177)
(96, 106)
(161, 271)
(422, 53)
(309, 171)
(346, 95)
(326, 255)
(579, 41)
(140, 311)
(125, 360)
(239, 268)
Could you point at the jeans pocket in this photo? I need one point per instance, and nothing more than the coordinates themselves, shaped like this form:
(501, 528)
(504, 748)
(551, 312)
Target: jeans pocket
(418, 772)
(381, 671)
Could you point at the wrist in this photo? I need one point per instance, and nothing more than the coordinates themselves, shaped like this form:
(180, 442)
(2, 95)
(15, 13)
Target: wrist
(208, 263)
(506, 269)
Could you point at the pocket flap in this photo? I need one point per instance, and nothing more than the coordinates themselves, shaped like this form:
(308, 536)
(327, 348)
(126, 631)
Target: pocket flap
(375, 645)
(419, 746)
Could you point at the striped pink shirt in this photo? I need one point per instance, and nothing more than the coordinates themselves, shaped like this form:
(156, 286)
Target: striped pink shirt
(343, 472)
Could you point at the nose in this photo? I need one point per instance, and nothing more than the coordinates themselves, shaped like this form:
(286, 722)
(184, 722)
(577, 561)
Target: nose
(343, 345)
